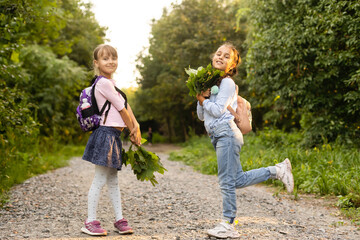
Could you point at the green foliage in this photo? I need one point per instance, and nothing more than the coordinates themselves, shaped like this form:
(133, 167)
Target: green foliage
(202, 79)
(199, 153)
(303, 67)
(184, 36)
(156, 138)
(29, 21)
(82, 40)
(331, 169)
(56, 24)
(24, 154)
(39, 84)
(143, 163)
(18, 137)
(349, 205)
(353, 214)
(54, 87)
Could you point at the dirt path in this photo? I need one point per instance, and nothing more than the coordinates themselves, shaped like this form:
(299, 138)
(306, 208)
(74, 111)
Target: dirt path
(182, 206)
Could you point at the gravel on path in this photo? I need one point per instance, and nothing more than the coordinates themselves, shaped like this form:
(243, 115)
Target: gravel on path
(183, 205)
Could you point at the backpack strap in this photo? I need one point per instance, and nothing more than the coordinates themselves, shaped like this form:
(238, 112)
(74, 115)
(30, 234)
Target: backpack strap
(231, 110)
(93, 99)
(94, 103)
(107, 103)
(107, 111)
(123, 95)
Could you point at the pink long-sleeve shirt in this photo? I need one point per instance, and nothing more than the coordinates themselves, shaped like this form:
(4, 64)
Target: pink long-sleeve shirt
(105, 90)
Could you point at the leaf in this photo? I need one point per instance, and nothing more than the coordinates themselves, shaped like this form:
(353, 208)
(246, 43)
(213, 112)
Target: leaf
(201, 79)
(144, 164)
(143, 140)
(15, 56)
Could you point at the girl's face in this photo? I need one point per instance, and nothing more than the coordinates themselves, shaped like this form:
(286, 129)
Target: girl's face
(223, 59)
(106, 64)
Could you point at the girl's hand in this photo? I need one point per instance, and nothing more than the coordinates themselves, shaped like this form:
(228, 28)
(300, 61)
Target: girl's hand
(202, 96)
(206, 93)
(135, 135)
(135, 140)
(135, 130)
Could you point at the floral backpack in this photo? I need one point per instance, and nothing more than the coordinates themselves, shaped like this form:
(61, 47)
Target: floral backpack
(87, 112)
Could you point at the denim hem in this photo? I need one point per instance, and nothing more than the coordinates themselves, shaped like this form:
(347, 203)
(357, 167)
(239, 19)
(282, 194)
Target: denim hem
(229, 219)
(272, 170)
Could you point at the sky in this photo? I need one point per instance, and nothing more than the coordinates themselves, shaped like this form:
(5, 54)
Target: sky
(128, 31)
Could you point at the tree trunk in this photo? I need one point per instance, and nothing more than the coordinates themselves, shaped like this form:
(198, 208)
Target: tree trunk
(168, 122)
(185, 134)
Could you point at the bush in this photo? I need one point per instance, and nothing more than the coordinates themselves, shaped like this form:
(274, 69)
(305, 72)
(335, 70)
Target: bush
(303, 67)
(156, 138)
(199, 153)
(331, 169)
(19, 141)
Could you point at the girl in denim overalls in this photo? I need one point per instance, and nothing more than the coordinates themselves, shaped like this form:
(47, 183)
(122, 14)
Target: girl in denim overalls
(228, 140)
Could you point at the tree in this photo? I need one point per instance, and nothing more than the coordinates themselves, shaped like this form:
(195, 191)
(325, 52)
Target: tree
(184, 36)
(39, 82)
(82, 32)
(38, 40)
(54, 87)
(303, 66)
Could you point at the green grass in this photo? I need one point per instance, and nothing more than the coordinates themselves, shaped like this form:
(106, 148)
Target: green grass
(199, 153)
(156, 138)
(331, 169)
(21, 166)
(60, 158)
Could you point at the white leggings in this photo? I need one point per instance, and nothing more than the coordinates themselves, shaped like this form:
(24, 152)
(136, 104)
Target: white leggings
(104, 175)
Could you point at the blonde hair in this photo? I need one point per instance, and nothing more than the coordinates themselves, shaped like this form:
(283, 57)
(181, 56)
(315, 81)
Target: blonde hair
(101, 50)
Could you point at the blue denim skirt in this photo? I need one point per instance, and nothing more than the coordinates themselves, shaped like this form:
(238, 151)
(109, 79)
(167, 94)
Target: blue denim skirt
(104, 147)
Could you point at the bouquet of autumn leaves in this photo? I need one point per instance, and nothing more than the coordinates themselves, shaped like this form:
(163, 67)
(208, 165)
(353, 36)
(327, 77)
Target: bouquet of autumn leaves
(202, 79)
(143, 163)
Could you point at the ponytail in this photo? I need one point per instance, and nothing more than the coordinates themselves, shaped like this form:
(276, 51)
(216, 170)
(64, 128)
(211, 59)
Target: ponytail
(236, 60)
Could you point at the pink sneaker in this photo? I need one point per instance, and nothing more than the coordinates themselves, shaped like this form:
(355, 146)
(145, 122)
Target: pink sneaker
(123, 227)
(93, 228)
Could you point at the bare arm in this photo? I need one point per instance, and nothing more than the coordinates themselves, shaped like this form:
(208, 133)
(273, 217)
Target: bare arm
(131, 114)
(129, 123)
(136, 130)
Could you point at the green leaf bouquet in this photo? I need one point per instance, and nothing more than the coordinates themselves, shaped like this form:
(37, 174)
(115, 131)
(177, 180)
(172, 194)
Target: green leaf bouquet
(143, 163)
(202, 78)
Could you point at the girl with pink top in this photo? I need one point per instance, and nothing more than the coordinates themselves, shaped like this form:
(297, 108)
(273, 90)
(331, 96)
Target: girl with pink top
(104, 145)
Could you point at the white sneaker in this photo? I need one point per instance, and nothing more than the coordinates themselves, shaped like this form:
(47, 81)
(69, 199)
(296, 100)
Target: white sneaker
(283, 173)
(223, 230)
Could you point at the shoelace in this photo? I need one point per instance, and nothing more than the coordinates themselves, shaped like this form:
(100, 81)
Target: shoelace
(123, 223)
(93, 226)
(97, 225)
